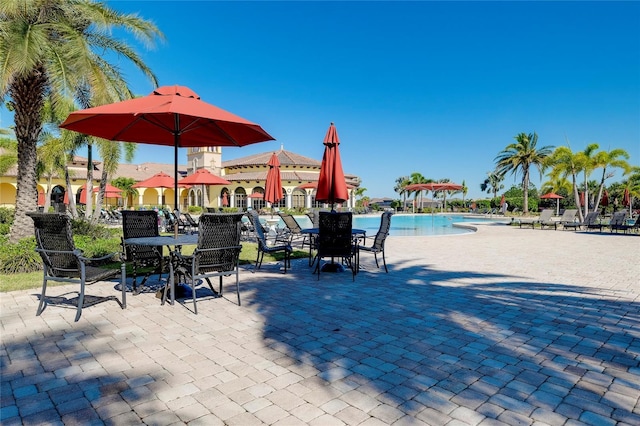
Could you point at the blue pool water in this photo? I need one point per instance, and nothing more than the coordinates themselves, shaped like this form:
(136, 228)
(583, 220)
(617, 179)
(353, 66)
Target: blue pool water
(408, 224)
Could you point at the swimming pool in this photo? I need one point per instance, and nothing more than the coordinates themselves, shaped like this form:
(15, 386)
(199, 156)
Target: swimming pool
(409, 224)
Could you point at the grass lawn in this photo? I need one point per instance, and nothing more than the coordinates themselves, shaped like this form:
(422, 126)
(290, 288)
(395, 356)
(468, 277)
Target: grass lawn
(33, 280)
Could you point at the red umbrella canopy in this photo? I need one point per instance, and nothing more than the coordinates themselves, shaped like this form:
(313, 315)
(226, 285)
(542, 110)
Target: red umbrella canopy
(204, 177)
(273, 185)
(159, 180)
(605, 198)
(502, 200)
(170, 115)
(109, 191)
(256, 195)
(551, 196)
(332, 187)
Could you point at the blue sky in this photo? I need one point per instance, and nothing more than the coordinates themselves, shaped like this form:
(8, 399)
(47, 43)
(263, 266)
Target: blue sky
(437, 88)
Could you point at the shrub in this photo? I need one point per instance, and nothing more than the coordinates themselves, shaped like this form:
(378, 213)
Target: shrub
(194, 210)
(19, 257)
(6, 215)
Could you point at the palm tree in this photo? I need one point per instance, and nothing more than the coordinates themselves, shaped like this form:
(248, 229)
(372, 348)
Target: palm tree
(418, 178)
(110, 153)
(401, 182)
(586, 161)
(616, 158)
(565, 163)
(8, 152)
(492, 184)
(52, 162)
(464, 191)
(126, 185)
(50, 49)
(520, 156)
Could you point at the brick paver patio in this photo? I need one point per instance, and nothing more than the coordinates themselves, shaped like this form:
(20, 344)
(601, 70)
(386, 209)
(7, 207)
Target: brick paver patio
(505, 326)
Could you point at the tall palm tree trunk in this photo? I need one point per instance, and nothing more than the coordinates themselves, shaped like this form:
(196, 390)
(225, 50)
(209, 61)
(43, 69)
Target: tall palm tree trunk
(27, 95)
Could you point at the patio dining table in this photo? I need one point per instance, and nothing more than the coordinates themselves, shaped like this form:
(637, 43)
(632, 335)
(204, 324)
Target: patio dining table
(169, 241)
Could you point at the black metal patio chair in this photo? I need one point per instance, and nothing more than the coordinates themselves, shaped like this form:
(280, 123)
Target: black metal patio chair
(335, 240)
(216, 255)
(377, 247)
(141, 223)
(63, 262)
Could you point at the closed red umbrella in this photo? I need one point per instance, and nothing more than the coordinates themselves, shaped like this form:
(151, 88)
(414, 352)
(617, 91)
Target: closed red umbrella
(170, 115)
(332, 187)
(273, 185)
(605, 199)
(225, 199)
(626, 198)
(502, 200)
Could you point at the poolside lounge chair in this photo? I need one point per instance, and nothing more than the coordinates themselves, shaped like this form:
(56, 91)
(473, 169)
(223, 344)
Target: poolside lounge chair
(543, 220)
(293, 232)
(618, 221)
(632, 228)
(63, 262)
(592, 221)
(568, 219)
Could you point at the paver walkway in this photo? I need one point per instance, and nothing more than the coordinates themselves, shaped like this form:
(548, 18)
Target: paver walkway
(504, 326)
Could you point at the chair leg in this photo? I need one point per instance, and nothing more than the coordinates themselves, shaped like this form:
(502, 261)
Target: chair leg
(238, 284)
(81, 296)
(193, 293)
(384, 261)
(42, 303)
(375, 256)
(123, 283)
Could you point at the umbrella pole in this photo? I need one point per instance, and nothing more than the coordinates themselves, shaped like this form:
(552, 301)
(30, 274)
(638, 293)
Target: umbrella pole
(176, 142)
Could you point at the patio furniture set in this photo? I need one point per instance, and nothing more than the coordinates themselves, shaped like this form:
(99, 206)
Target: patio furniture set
(218, 246)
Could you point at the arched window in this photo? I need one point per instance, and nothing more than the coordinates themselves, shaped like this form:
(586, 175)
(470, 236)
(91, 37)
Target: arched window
(240, 198)
(298, 198)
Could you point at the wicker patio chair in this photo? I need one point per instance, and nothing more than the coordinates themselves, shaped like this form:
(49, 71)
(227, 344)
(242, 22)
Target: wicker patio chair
(141, 223)
(216, 255)
(263, 245)
(64, 263)
(377, 247)
(335, 240)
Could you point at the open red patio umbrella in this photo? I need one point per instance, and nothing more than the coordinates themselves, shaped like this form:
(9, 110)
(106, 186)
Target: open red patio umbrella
(205, 178)
(553, 196)
(273, 184)
(109, 192)
(332, 187)
(170, 115)
(159, 180)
